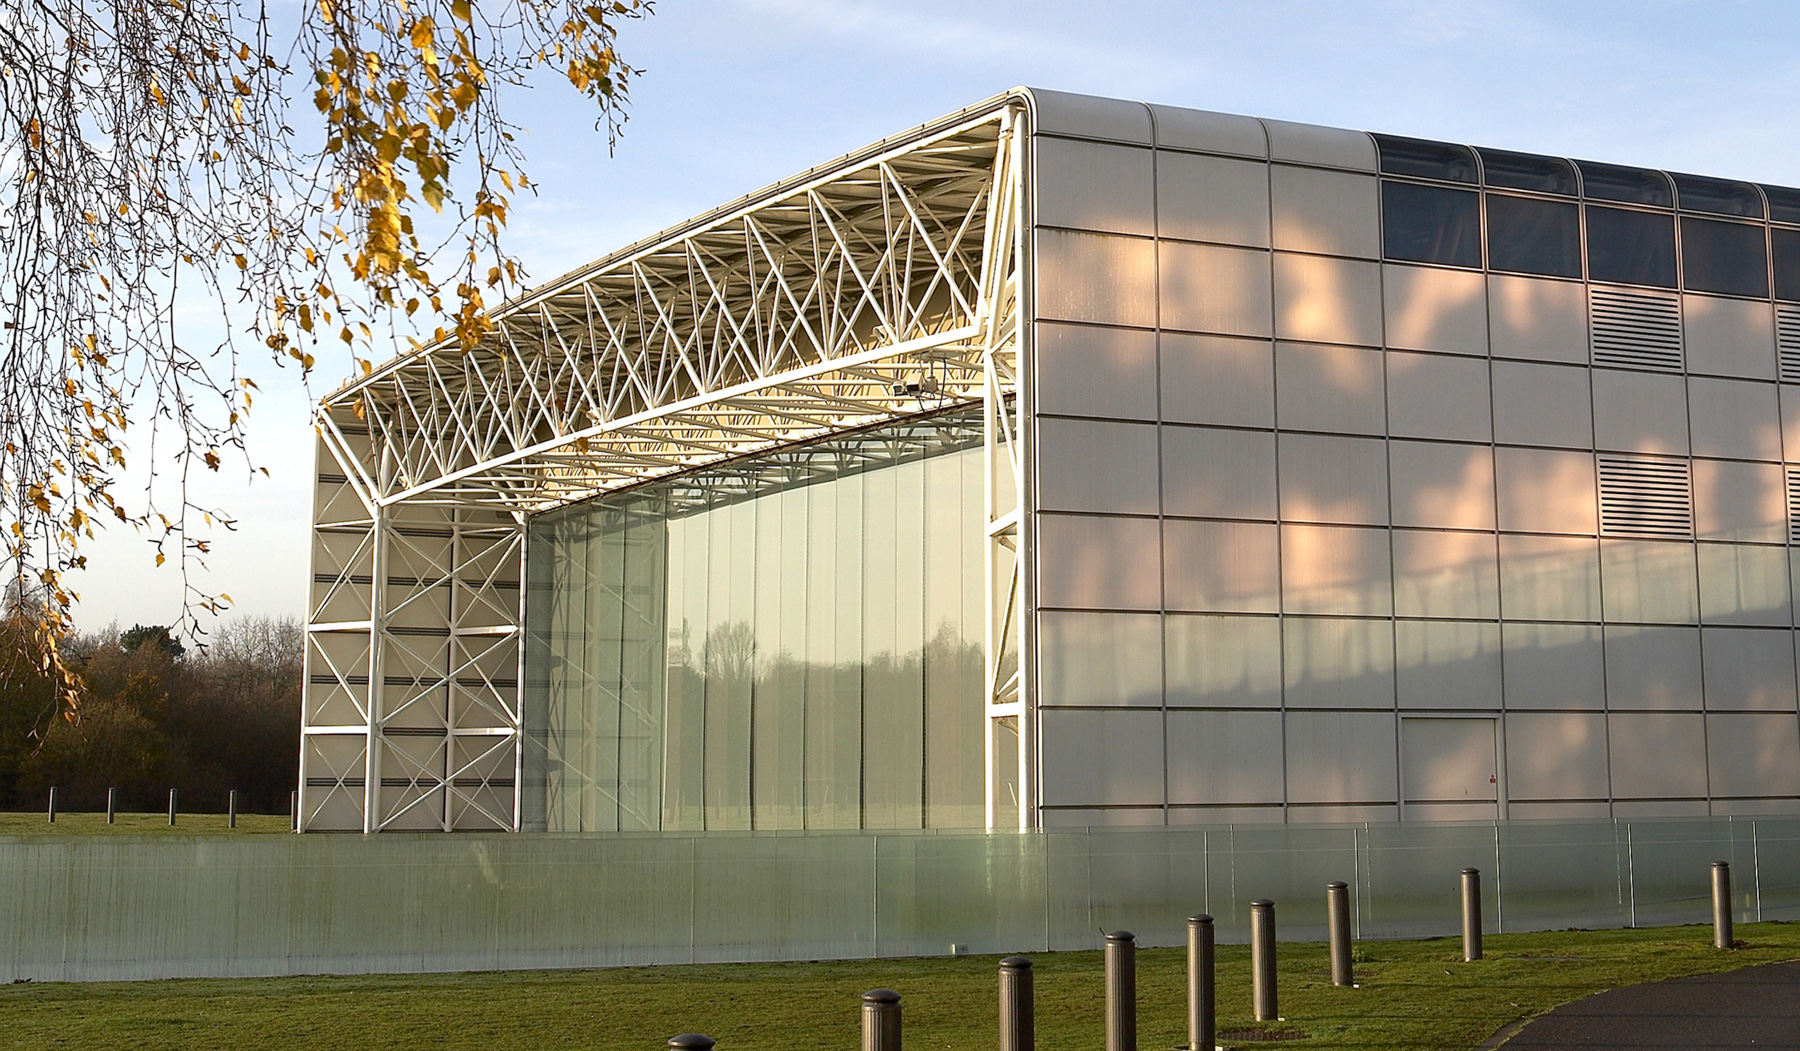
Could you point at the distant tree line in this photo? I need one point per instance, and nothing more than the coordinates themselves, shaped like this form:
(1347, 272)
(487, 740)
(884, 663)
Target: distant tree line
(152, 714)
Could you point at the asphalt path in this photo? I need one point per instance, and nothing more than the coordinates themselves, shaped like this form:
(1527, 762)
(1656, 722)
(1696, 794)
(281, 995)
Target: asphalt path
(1755, 1007)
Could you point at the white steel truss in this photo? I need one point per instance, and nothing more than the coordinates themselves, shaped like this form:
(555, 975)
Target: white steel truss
(871, 289)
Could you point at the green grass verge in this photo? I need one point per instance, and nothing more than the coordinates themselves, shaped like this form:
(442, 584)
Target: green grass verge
(1413, 995)
(140, 825)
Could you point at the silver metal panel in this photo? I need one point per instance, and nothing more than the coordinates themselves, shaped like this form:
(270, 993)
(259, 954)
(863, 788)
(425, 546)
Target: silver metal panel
(1100, 660)
(1754, 807)
(1222, 662)
(1449, 761)
(1542, 405)
(1748, 669)
(1744, 584)
(1657, 755)
(1546, 491)
(1323, 388)
(1089, 562)
(1652, 668)
(1333, 478)
(1086, 370)
(1549, 578)
(1096, 277)
(1312, 144)
(1336, 569)
(1208, 288)
(1640, 412)
(1100, 758)
(1325, 300)
(1089, 116)
(1220, 567)
(1217, 380)
(1649, 582)
(1332, 662)
(1209, 472)
(1753, 755)
(1739, 501)
(1631, 810)
(1734, 419)
(1342, 757)
(1095, 465)
(1224, 757)
(1443, 574)
(1198, 129)
(1447, 664)
(1729, 337)
(1342, 815)
(1433, 309)
(1538, 319)
(1095, 186)
(1433, 396)
(1554, 755)
(1333, 213)
(1445, 486)
(1212, 199)
(1553, 666)
(1599, 810)
(1194, 816)
(1102, 817)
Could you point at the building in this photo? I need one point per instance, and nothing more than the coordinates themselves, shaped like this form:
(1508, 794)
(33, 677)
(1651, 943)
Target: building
(1070, 461)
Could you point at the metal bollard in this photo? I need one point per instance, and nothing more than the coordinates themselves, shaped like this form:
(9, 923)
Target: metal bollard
(1121, 991)
(1202, 1020)
(1721, 872)
(692, 1042)
(881, 1020)
(1262, 960)
(52, 804)
(1337, 908)
(231, 811)
(1471, 910)
(112, 804)
(1018, 1029)
(171, 806)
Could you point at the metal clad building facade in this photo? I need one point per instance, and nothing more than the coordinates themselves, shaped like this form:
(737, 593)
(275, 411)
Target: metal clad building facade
(1072, 461)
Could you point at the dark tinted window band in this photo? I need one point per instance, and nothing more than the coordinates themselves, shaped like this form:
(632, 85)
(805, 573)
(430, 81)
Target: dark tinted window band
(1431, 224)
(1786, 244)
(1611, 182)
(1531, 236)
(1424, 159)
(1630, 248)
(1697, 193)
(1527, 171)
(1784, 204)
(1723, 257)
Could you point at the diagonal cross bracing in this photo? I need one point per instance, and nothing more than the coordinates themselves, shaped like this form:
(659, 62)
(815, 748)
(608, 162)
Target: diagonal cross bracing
(881, 286)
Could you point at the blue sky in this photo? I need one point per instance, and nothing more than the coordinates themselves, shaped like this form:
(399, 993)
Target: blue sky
(739, 93)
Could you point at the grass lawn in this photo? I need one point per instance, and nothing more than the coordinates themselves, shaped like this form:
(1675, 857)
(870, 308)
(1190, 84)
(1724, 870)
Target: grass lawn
(35, 824)
(1414, 995)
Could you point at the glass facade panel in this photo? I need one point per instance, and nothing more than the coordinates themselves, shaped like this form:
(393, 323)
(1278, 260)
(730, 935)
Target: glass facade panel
(1786, 245)
(1723, 257)
(1527, 171)
(1431, 224)
(791, 643)
(1612, 182)
(1631, 248)
(1425, 159)
(1700, 193)
(1529, 236)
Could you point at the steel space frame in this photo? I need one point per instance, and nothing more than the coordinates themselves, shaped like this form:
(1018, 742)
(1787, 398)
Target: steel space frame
(885, 284)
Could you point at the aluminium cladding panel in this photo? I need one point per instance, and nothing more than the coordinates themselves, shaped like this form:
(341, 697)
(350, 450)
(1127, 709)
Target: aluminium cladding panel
(1347, 486)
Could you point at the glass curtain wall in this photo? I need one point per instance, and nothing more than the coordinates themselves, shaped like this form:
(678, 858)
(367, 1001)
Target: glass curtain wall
(793, 642)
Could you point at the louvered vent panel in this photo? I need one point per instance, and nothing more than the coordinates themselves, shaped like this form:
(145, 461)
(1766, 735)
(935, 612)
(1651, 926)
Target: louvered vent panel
(1636, 330)
(1642, 497)
(1787, 342)
(1793, 480)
